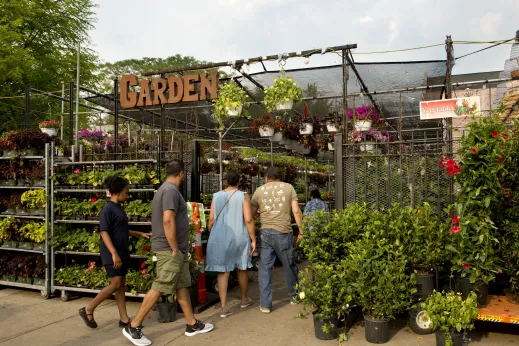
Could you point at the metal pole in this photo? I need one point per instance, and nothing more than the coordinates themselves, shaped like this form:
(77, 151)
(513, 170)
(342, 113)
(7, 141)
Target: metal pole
(306, 183)
(448, 95)
(116, 114)
(220, 163)
(271, 154)
(77, 94)
(62, 109)
(71, 114)
(27, 106)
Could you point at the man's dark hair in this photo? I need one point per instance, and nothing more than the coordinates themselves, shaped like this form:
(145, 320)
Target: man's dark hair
(174, 167)
(115, 184)
(315, 194)
(273, 173)
(232, 178)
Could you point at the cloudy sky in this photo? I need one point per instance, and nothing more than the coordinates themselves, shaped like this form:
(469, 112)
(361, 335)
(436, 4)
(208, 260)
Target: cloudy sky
(223, 30)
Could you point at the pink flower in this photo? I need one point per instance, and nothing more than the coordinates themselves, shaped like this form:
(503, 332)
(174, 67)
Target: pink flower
(455, 229)
(76, 171)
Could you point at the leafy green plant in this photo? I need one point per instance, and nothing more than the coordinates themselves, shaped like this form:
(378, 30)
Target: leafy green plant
(5, 224)
(138, 208)
(283, 90)
(450, 313)
(34, 199)
(230, 97)
(34, 231)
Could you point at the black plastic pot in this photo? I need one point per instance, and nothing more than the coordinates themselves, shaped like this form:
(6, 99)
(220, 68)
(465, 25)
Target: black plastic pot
(511, 297)
(376, 331)
(464, 286)
(166, 312)
(318, 328)
(193, 294)
(457, 339)
(425, 285)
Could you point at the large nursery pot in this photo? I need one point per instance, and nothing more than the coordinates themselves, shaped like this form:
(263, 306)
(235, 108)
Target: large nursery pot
(376, 331)
(425, 285)
(318, 327)
(464, 286)
(166, 312)
(457, 339)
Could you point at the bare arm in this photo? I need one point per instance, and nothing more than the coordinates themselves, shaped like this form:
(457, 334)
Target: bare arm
(170, 229)
(211, 217)
(298, 217)
(139, 234)
(110, 246)
(249, 222)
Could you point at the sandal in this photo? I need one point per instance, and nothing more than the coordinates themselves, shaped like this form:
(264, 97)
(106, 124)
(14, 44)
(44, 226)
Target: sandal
(84, 315)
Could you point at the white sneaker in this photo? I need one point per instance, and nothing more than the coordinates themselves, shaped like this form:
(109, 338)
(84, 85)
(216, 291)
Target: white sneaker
(135, 336)
(198, 328)
(247, 303)
(265, 310)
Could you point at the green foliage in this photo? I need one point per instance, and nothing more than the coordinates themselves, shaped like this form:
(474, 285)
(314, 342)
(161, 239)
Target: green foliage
(138, 208)
(34, 231)
(450, 313)
(77, 239)
(230, 97)
(284, 89)
(34, 199)
(5, 223)
(38, 43)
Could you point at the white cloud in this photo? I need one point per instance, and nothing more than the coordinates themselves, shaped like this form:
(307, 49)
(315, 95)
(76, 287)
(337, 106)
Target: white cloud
(490, 22)
(394, 30)
(365, 20)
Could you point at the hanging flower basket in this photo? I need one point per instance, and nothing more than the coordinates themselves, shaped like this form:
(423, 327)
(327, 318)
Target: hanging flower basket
(282, 94)
(331, 146)
(50, 132)
(266, 131)
(234, 112)
(285, 106)
(306, 129)
(363, 125)
(278, 137)
(230, 103)
(49, 127)
(332, 127)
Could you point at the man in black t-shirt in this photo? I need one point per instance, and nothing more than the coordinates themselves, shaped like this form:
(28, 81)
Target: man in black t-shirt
(170, 232)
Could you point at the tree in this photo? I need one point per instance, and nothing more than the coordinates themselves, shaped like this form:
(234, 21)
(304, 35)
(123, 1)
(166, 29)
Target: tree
(38, 44)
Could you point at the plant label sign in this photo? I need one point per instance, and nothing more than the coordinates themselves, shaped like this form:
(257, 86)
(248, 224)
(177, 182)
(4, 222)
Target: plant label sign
(158, 91)
(451, 108)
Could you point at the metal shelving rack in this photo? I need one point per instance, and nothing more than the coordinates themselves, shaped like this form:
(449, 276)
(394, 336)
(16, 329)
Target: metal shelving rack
(46, 288)
(65, 290)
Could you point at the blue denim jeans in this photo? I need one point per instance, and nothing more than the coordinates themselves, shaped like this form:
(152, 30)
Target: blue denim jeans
(270, 244)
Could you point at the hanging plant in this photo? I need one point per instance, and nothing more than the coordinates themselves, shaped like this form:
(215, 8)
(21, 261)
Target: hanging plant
(363, 117)
(266, 126)
(230, 103)
(283, 94)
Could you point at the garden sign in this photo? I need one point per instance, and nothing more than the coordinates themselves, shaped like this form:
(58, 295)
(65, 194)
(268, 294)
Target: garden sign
(174, 89)
(451, 108)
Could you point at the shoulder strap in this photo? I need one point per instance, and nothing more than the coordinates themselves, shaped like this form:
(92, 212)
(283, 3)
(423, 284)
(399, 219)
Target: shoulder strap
(228, 199)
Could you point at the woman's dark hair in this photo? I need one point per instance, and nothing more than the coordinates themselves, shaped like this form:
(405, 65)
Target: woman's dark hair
(315, 194)
(115, 184)
(232, 178)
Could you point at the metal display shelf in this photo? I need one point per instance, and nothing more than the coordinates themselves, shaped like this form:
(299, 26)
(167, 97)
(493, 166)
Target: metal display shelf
(22, 157)
(21, 187)
(99, 190)
(18, 284)
(94, 222)
(24, 216)
(22, 250)
(110, 162)
(91, 254)
(66, 289)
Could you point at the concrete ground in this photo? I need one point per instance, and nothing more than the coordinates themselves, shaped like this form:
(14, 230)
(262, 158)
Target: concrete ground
(27, 319)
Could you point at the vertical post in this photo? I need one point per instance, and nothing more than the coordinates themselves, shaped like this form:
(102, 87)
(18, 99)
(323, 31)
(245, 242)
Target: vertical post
(338, 140)
(220, 162)
(71, 114)
(27, 106)
(62, 109)
(345, 77)
(339, 173)
(116, 115)
(77, 94)
(195, 171)
(448, 95)
(163, 122)
(271, 153)
(306, 182)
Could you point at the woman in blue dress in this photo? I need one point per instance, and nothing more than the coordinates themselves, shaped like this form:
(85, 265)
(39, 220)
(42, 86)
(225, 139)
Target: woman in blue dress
(232, 240)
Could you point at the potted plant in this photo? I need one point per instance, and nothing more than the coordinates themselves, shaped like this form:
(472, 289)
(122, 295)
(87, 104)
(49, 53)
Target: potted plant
(450, 315)
(362, 117)
(35, 232)
(50, 127)
(166, 309)
(308, 125)
(34, 201)
(230, 103)
(279, 128)
(36, 174)
(282, 95)
(38, 274)
(227, 158)
(326, 290)
(266, 126)
(333, 122)
(212, 158)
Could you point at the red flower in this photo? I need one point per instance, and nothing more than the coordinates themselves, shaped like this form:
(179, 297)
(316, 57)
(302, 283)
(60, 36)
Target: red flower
(512, 200)
(455, 219)
(474, 150)
(505, 136)
(466, 265)
(146, 248)
(91, 264)
(495, 134)
(93, 199)
(500, 160)
(143, 265)
(442, 164)
(455, 229)
(506, 192)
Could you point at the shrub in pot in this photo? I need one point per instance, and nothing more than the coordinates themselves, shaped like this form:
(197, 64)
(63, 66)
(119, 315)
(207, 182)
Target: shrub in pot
(282, 94)
(230, 103)
(326, 290)
(450, 315)
(35, 201)
(166, 309)
(34, 232)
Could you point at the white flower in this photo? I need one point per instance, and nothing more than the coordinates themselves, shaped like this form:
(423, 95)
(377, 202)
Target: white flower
(347, 306)
(154, 258)
(302, 295)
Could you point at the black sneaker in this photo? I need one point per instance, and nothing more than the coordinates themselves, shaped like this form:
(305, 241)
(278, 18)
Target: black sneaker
(135, 336)
(198, 328)
(123, 325)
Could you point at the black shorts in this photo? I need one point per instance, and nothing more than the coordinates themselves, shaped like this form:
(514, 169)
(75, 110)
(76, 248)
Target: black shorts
(112, 272)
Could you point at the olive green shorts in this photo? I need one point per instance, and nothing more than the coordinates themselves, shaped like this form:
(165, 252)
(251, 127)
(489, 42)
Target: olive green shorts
(172, 272)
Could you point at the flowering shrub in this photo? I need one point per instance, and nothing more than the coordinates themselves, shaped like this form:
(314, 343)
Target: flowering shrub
(91, 137)
(52, 124)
